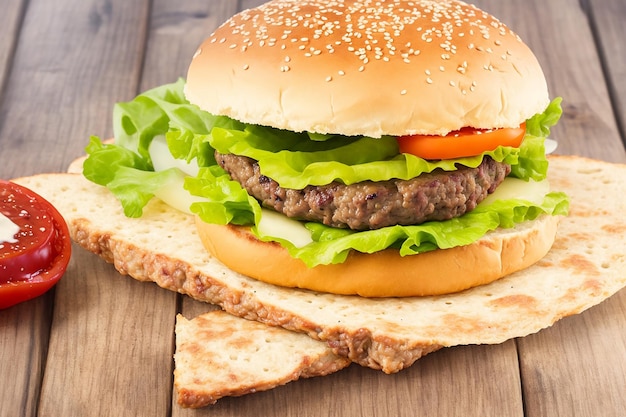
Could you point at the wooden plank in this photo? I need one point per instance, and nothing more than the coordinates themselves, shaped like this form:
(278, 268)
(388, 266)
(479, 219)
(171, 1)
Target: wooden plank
(110, 346)
(176, 31)
(26, 326)
(248, 4)
(607, 17)
(577, 367)
(66, 73)
(10, 22)
(24, 330)
(73, 61)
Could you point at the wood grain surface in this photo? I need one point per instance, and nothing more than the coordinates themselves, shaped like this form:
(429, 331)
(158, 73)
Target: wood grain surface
(101, 344)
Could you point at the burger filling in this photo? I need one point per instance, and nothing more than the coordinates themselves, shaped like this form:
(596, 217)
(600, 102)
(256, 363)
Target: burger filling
(438, 195)
(349, 193)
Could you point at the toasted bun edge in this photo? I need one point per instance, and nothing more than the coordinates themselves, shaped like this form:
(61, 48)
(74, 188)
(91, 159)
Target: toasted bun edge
(386, 273)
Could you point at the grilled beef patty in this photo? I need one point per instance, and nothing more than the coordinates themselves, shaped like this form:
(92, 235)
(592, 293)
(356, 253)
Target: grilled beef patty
(439, 195)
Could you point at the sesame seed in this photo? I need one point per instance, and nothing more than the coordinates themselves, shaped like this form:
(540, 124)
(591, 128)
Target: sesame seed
(371, 31)
(429, 80)
(246, 66)
(403, 92)
(329, 78)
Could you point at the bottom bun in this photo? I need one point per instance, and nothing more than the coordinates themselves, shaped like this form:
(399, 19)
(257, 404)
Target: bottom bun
(386, 273)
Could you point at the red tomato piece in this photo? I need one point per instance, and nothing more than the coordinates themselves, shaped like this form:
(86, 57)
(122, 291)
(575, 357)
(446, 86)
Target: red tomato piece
(35, 259)
(461, 143)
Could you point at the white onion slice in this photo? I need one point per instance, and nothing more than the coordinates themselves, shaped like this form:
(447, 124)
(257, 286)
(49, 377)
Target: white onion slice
(514, 188)
(162, 159)
(278, 225)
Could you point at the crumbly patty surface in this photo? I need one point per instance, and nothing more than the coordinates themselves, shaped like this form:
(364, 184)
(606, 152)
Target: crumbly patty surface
(439, 195)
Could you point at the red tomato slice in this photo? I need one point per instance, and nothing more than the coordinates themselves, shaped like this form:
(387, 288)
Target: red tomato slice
(37, 256)
(461, 143)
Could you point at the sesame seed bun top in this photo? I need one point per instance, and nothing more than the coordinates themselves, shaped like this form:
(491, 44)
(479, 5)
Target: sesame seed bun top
(367, 68)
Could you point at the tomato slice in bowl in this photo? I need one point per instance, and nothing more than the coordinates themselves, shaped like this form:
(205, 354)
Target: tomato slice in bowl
(34, 259)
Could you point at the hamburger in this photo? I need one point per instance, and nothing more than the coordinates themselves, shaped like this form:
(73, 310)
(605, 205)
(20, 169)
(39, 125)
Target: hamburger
(389, 148)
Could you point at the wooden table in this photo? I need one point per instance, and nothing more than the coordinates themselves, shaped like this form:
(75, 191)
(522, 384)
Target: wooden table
(102, 344)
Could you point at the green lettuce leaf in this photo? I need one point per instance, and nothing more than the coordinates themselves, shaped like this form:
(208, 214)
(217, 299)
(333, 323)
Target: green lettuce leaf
(159, 111)
(228, 201)
(296, 160)
(128, 176)
(539, 125)
(353, 160)
(411, 240)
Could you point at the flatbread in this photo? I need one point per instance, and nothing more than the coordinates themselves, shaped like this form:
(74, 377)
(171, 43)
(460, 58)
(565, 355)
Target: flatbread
(220, 355)
(586, 265)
